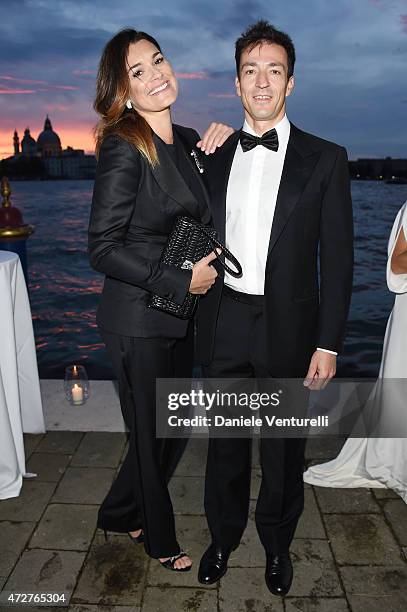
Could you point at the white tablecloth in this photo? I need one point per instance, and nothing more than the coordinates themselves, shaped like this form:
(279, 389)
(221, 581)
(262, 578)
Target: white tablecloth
(20, 398)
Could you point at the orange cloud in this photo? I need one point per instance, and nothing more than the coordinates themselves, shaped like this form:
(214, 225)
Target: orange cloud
(7, 77)
(84, 72)
(192, 75)
(50, 108)
(13, 92)
(221, 95)
(65, 87)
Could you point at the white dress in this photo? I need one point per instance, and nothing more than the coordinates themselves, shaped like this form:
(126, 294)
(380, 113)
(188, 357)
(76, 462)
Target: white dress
(377, 462)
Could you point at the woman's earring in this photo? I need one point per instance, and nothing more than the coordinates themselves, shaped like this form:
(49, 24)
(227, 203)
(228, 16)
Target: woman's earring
(129, 104)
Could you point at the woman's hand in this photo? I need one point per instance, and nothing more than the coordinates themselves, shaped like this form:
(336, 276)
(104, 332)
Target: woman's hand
(214, 137)
(203, 275)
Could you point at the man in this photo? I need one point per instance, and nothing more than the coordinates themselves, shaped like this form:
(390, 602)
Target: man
(280, 197)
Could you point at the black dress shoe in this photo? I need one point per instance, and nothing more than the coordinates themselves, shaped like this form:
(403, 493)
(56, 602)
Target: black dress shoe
(214, 564)
(279, 573)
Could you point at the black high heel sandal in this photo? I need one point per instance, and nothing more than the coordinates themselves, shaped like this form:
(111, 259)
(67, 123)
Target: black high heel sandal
(169, 563)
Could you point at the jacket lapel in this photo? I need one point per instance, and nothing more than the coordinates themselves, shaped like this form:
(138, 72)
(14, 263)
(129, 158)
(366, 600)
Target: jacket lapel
(187, 148)
(220, 172)
(170, 180)
(299, 163)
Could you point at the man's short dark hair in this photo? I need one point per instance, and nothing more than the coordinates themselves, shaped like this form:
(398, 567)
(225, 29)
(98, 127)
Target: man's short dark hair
(263, 31)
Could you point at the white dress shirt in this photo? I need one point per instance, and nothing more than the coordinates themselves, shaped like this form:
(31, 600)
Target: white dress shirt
(251, 199)
(253, 186)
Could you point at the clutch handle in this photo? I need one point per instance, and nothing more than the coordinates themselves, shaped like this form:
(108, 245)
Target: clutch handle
(238, 273)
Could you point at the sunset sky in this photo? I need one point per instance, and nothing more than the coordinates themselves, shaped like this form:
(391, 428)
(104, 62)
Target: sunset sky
(350, 71)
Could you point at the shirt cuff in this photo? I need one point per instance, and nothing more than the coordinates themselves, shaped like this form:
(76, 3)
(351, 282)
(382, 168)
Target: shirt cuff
(326, 351)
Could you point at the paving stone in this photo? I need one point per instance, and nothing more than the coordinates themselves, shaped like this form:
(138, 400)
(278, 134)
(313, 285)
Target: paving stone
(84, 485)
(314, 570)
(346, 500)
(113, 574)
(193, 461)
(30, 504)
(376, 588)
(244, 589)
(255, 483)
(46, 571)
(31, 442)
(255, 454)
(187, 494)
(48, 469)
(90, 608)
(310, 523)
(66, 527)
(396, 513)
(250, 552)
(193, 536)
(404, 552)
(64, 442)
(385, 494)
(323, 448)
(362, 540)
(308, 604)
(13, 538)
(100, 449)
(2, 581)
(158, 599)
(124, 453)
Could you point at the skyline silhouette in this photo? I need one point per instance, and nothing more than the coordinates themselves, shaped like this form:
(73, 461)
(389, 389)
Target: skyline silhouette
(350, 69)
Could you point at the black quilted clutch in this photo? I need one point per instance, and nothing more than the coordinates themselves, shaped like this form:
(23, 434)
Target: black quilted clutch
(188, 242)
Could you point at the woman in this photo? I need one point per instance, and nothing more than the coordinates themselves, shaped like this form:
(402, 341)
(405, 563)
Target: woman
(145, 179)
(380, 462)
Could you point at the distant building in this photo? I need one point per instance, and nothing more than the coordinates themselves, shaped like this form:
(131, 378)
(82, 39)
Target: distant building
(45, 158)
(379, 169)
(28, 144)
(48, 142)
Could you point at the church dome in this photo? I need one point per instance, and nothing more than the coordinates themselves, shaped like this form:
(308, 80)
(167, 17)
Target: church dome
(28, 144)
(48, 142)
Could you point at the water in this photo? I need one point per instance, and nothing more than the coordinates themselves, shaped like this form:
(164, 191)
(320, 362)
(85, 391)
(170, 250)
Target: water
(64, 289)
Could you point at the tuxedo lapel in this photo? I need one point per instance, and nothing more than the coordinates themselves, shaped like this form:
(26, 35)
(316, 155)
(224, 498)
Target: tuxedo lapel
(220, 172)
(171, 181)
(299, 163)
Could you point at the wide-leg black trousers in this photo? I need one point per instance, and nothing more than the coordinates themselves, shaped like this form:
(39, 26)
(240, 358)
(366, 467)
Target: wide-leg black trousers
(241, 352)
(139, 497)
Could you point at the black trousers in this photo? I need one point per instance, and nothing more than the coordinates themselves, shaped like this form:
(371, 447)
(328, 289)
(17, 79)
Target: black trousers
(240, 351)
(139, 497)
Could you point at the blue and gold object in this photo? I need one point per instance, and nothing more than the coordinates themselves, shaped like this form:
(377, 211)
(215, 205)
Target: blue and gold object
(13, 231)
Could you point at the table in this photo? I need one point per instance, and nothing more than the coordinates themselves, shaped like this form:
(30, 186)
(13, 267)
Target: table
(20, 397)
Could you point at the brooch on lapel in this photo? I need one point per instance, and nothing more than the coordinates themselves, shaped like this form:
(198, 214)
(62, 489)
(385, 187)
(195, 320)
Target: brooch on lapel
(197, 161)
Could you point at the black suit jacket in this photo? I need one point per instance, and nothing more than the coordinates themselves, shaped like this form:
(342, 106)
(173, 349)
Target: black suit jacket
(134, 208)
(313, 215)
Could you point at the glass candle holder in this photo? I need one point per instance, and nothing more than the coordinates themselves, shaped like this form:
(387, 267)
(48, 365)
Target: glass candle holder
(76, 385)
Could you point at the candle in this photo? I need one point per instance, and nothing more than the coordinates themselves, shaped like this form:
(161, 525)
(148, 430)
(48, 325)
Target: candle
(77, 394)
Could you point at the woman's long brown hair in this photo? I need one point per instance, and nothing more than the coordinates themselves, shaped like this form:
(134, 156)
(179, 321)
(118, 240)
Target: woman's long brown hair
(112, 93)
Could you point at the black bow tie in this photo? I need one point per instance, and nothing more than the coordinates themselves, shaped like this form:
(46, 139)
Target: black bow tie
(268, 140)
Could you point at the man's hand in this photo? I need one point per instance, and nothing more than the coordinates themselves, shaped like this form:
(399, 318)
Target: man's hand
(321, 369)
(214, 137)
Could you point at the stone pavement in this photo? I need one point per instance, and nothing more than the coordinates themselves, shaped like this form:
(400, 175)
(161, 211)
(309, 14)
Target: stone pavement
(349, 552)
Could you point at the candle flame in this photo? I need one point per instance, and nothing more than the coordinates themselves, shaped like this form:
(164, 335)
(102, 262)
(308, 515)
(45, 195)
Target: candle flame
(75, 371)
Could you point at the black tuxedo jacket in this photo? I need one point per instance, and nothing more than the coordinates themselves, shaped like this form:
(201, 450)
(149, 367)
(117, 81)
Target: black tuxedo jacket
(133, 211)
(313, 215)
